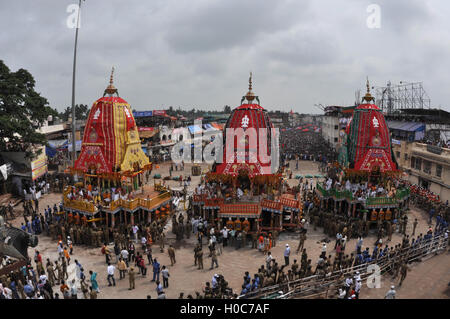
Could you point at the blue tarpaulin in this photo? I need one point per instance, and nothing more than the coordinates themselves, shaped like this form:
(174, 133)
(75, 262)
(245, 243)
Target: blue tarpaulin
(53, 146)
(194, 129)
(406, 126)
(77, 146)
(50, 151)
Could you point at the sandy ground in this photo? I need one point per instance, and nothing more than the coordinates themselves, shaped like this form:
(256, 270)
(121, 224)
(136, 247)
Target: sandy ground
(426, 280)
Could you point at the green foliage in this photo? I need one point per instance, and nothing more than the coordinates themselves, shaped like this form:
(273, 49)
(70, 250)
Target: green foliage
(81, 112)
(22, 111)
(227, 109)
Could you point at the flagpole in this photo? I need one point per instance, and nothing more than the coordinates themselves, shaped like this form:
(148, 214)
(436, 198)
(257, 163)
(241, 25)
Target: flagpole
(74, 150)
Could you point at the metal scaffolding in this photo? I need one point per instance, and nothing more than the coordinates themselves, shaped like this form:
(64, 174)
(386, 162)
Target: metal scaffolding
(392, 98)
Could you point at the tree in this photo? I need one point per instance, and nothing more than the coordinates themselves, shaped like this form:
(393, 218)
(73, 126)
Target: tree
(81, 112)
(227, 109)
(22, 111)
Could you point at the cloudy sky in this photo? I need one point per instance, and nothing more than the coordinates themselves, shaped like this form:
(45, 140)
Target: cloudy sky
(198, 53)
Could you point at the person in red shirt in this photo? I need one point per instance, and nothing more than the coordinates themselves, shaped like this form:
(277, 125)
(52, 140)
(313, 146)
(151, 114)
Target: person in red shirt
(38, 257)
(65, 290)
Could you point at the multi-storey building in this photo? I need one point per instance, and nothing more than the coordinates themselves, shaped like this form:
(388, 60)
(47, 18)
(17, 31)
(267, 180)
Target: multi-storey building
(426, 165)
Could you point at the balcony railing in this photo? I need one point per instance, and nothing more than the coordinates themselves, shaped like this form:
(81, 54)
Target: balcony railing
(348, 195)
(120, 203)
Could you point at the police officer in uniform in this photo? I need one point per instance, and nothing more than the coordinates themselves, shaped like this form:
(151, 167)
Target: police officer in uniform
(161, 241)
(131, 278)
(188, 229)
(51, 273)
(196, 249)
(60, 273)
(275, 238)
(244, 238)
(200, 258)
(254, 240)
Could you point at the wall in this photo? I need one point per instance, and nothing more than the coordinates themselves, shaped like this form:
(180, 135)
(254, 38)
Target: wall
(330, 130)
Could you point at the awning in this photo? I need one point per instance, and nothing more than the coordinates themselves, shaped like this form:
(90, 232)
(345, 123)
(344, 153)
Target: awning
(271, 206)
(147, 132)
(290, 203)
(199, 199)
(406, 126)
(239, 211)
(217, 126)
(213, 202)
(209, 128)
(195, 129)
(57, 143)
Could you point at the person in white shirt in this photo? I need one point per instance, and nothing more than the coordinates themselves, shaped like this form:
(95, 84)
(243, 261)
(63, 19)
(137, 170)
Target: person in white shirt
(225, 236)
(143, 242)
(268, 260)
(391, 293)
(342, 293)
(357, 277)
(344, 241)
(110, 270)
(357, 288)
(74, 290)
(287, 253)
(135, 231)
(348, 284)
(124, 254)
(324, 249)
(165, 276)
(60, 250)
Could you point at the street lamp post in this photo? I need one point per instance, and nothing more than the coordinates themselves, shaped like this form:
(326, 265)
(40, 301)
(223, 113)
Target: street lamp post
(74, 150)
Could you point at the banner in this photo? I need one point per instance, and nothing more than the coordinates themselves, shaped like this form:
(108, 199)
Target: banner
(143, 114)
(150, 113)
(39, 167)
(162, 112)
(38, 172)
(41, 161)
(141, 129)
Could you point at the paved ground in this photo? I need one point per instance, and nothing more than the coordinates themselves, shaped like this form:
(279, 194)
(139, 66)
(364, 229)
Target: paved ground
(425, 280)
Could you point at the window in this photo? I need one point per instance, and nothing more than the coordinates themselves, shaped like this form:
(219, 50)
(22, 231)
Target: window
(397, 154)
(418, 164)
(335, 139)
(427, 167)
(406, 157)
(413, 162)
(438, 170)
(336, 127)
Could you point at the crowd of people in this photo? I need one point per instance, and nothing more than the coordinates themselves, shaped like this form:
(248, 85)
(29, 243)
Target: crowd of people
(337, 260)
(132, 244)
(310, 146)
(51, 282)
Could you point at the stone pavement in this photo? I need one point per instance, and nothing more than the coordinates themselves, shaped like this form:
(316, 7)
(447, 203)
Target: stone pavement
(426, 280)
